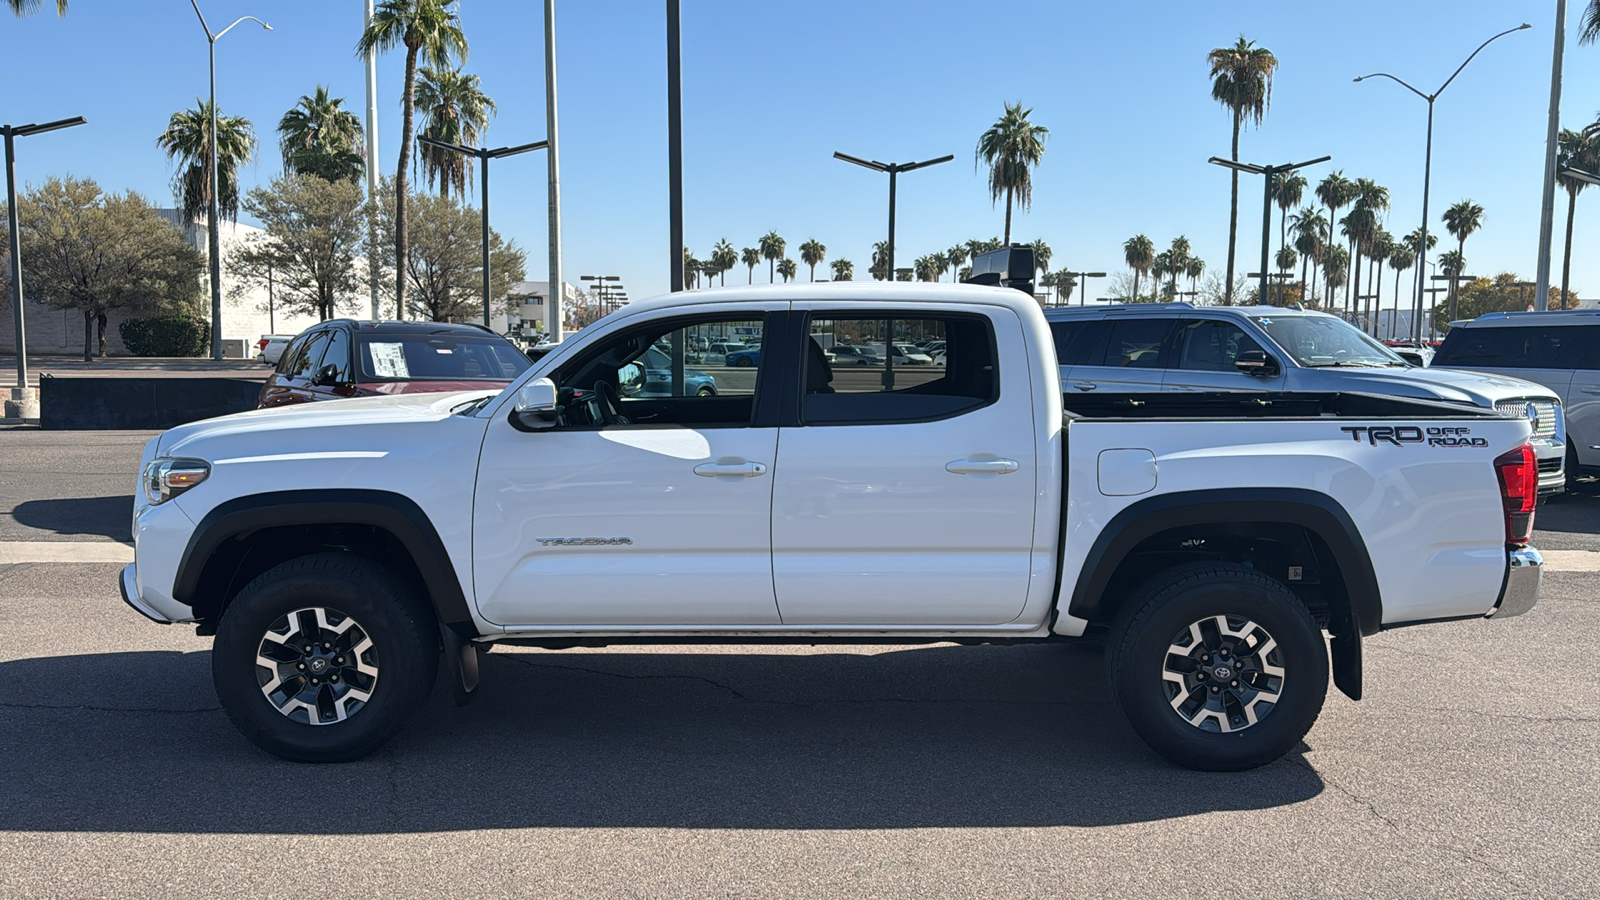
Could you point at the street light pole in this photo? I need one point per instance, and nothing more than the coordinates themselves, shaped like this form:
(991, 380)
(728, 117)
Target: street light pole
(674, 147)
(1269, 175)
(893, 169)
(1547, 207)
(483, 156)
(1427, 165)
(1083, 283)
(553, 303)
(372, 167)
(24, 403)
(214, 239)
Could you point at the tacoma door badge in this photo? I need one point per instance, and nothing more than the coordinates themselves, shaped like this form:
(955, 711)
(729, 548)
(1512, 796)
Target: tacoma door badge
(584, 541)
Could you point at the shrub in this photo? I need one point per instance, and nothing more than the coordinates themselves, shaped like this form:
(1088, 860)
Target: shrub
(167, 336)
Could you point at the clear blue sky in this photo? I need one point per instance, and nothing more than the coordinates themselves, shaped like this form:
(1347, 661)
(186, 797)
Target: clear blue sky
(772, 89)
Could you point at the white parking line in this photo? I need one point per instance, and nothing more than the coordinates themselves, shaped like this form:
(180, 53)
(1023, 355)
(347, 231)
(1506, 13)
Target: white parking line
(1571, 560)
(13, 552)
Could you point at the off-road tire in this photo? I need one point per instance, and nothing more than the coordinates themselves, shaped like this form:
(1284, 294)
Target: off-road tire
(1162, 611)
(404, 636)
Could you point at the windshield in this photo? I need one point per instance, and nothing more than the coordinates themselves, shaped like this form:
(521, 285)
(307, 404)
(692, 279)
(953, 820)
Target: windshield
(435, 357)
(1316, 341)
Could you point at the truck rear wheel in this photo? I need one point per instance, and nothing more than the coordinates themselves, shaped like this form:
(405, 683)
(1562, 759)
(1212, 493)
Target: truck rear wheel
(322, 658)
(1218, 667)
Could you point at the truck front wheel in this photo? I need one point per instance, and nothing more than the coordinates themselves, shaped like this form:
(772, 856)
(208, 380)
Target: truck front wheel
(1218, 667)
(322, 658)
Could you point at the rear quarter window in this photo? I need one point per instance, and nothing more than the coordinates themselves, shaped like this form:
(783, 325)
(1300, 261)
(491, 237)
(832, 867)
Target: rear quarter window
(1518, 347)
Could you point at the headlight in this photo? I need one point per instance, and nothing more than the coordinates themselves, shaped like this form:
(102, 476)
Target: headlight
(167, 478)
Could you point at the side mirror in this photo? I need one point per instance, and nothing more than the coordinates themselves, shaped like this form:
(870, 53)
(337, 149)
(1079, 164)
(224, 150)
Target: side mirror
(536, 404)
(1257, 363)
(327, 376)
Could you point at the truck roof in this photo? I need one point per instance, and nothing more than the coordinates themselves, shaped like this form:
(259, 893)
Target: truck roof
(862, 293)
(1548, 317)
(1181, 306)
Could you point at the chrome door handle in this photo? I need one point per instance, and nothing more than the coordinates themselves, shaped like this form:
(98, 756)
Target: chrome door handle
(981, 467)
(1085, 385)
(730, 469)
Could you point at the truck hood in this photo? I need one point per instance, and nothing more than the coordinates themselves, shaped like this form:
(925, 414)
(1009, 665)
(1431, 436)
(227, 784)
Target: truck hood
(361, 413)
(1450, 385)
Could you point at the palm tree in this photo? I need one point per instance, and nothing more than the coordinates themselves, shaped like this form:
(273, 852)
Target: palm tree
(1194, 269)
(1041, 255)
(811, 253)
(1140, 254)
(1310, 235)
(1065, 283)
(772, 248)
(725, 257)
(29, 7)
(430, 30)
(1461, 220)
(1400, 259)
(1413, 244)
(1335, 191)
(954, 257)
(787, 269)
(1011, 148)
(1334, 264)
(751, 257)
(188, 141)
(1588, 26)
(1285, 260)
(319, 138)
(1453, 262)
(843, 270)
(926, 269)
(1579, 150)
(1372, 200)
(1177, 260)
(1288, 192)
(1241, 80)
(880, 262)
(454, 110)
(1379, 249)
(691, 270)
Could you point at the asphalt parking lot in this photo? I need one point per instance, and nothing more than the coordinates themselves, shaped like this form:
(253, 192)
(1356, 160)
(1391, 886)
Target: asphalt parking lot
(1469, 770)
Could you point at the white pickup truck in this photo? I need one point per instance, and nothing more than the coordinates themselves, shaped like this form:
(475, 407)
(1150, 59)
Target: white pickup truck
(334, 549)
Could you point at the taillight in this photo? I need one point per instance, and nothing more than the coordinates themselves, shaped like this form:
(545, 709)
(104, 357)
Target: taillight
(261, 344)
(1519, 491)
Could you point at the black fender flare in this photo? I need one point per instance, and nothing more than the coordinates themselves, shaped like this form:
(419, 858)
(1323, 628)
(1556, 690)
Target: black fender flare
(392, 512)
(1315, 511)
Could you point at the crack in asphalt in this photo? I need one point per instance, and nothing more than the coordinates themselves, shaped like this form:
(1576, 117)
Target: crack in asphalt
(85, 706)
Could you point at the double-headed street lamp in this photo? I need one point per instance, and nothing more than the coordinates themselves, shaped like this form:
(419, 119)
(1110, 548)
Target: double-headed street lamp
(23, 404)
(483, 156)
(212, 210)
(893, 169)
(604, 293)
(1427, 165)
(1082, 279)
(1269, 175)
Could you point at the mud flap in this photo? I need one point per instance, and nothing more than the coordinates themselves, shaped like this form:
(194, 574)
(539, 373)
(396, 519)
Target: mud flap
(461, 660)
(1347, 663)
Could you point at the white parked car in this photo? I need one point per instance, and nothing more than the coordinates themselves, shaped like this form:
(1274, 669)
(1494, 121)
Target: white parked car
(269, 349)
(332, 548)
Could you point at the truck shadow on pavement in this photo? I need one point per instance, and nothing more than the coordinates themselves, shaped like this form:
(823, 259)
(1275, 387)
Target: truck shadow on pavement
(107, 516)
(906, 738)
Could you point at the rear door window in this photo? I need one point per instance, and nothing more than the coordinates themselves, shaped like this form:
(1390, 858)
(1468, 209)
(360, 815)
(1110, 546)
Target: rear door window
(880, 386)
(1137, 343)
(1518, 347)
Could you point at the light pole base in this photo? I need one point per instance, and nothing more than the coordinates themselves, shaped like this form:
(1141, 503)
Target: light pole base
(23, 405)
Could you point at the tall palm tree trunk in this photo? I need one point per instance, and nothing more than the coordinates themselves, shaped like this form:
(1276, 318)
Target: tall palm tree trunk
(402, 244)
(1352, 277)
(1233, 209)
(1455, 281)
(1397, 295)
(1327, 290)
(1305, 260)
(1135, 285)
(1008, 224)
(1566, 253)
(1375, 285)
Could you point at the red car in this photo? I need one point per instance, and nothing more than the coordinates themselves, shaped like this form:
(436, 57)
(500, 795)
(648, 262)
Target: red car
(344, 358)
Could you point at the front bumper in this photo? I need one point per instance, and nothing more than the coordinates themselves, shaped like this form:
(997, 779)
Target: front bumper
(128, 583)
(1525, 569)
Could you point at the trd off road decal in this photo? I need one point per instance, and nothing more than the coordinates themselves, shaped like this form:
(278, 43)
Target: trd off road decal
(1400, 435)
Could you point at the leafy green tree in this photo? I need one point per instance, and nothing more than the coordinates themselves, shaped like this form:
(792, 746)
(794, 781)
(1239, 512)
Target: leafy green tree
(843, 270)
(787, 269)
(772, 248)
(444, 272)
(751, 257)
(1011, 148)
(1140, 254)
(429, 30)
(319, 138)
(811, 253)
(1462, 219)
(454, 110)
(954, 258)
(97, 252)
(1486, 295)
(314, 230)
(725, 258)
(188, 141)
(1241, 80)
(1578, 150)
(29, 7)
